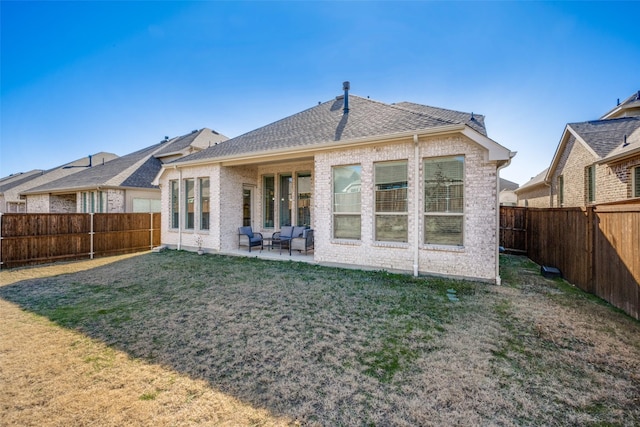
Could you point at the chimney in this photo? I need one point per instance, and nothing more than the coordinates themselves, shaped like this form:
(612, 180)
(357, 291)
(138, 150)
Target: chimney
(346, 86)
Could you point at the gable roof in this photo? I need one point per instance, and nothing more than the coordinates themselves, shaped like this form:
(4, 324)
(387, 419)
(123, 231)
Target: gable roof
(196, 140)
(628, 107)
(327, 123)
(135, 170)
(602, 136)
(533, 182)
(507, 185)
(103, 174)
(475, 121)
(627, 148)
(17, 179)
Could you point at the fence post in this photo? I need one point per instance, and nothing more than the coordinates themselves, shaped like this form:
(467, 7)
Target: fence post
(1, 263)
(91, 237)
(151, 231)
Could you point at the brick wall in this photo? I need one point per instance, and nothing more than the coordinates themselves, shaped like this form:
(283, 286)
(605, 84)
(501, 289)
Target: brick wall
(535, 197)
(62, 203)
(614, 182)
(38, 203)
(573, 161)
(478, 256)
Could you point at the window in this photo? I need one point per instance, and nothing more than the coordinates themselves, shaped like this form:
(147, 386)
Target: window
(93, 202)
(346, 202)
(189, 204)
(560, 190)
(444, 201)
(304, 199)
(175, 204)
(204, 203)
(286, 184)
(269, 195)
(636, 181)
(391, 201)
(591, 184)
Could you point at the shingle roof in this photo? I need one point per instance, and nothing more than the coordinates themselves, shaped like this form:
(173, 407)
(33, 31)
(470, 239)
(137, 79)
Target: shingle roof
(325, 122)
(507, 185)
(536, 180)
(12, 181)
(104, 174)
(605, 135)
(178, 143)
(475, 121)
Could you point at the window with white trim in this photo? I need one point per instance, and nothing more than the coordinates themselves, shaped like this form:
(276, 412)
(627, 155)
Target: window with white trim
(444, 201)
(204, 203)
(189, 204)
(591, 184)
(636, 181)
(391, 208)
(347, 202)
(175, 203)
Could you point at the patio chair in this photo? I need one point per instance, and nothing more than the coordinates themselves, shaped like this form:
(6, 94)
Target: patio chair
(283, 237)
(246, 237)
(303, 242)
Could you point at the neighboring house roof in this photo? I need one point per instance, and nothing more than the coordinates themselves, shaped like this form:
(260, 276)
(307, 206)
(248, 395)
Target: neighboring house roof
(476, 121)
(17, 179)
(194, 141)
(507, 185)
(628, 107)
(327, 123)
(13, 189)
(629, 147)
(111, 174)
(134, 170)
(600, 137)
(533, 182)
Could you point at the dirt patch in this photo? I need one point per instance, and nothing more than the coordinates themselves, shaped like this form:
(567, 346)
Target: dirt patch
(179, 339)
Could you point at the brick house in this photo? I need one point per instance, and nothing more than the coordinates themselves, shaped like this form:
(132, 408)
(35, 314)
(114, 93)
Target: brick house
(12, 187)
(595, 162)
(392, 186)
(598, 161)
(120, 185)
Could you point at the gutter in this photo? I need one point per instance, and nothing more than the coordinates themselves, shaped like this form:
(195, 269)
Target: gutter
(416, 208)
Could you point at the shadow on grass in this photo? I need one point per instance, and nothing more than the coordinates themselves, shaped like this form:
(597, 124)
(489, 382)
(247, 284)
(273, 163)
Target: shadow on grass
(312, 343)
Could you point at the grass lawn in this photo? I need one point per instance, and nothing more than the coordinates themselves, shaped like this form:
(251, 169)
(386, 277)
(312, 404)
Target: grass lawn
(174, 338)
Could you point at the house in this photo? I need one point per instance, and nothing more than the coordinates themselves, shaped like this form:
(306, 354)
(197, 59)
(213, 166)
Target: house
(12, 187)
(507, 195)
(390, 186)
(598, 161)
(535, 192)
(120, 185)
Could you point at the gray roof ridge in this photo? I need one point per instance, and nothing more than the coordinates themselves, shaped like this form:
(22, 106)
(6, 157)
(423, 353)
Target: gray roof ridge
(439, 108)
(628, 118)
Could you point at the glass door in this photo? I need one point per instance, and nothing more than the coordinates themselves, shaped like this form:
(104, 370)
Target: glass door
(246, 206)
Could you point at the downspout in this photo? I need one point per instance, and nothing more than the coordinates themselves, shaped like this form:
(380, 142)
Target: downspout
(504, 165)
(179, 216)
(416, 207)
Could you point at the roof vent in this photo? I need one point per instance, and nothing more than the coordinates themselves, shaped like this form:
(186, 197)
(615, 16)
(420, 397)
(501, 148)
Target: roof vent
(618, 102)
(625, 143)
(346, 86)
(194, 131)
(638, 95)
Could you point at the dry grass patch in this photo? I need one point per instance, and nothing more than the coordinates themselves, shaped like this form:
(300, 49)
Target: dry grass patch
(176, 338)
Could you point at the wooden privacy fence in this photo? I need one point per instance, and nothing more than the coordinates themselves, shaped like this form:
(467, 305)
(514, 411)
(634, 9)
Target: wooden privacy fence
(43, 238)
(596, 248)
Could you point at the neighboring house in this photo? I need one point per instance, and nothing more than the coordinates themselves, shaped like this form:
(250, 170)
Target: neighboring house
(391, 186)
(121, 185)
(598, 161)
(535, 192)
(12, 187)
(595, 162)
(507, 194)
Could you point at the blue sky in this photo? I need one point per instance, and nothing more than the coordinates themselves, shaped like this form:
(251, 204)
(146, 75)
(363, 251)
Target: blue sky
(82, 77)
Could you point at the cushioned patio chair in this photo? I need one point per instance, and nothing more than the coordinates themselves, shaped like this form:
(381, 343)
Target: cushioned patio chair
(302, 243)
(283, 237)
(246, 237)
